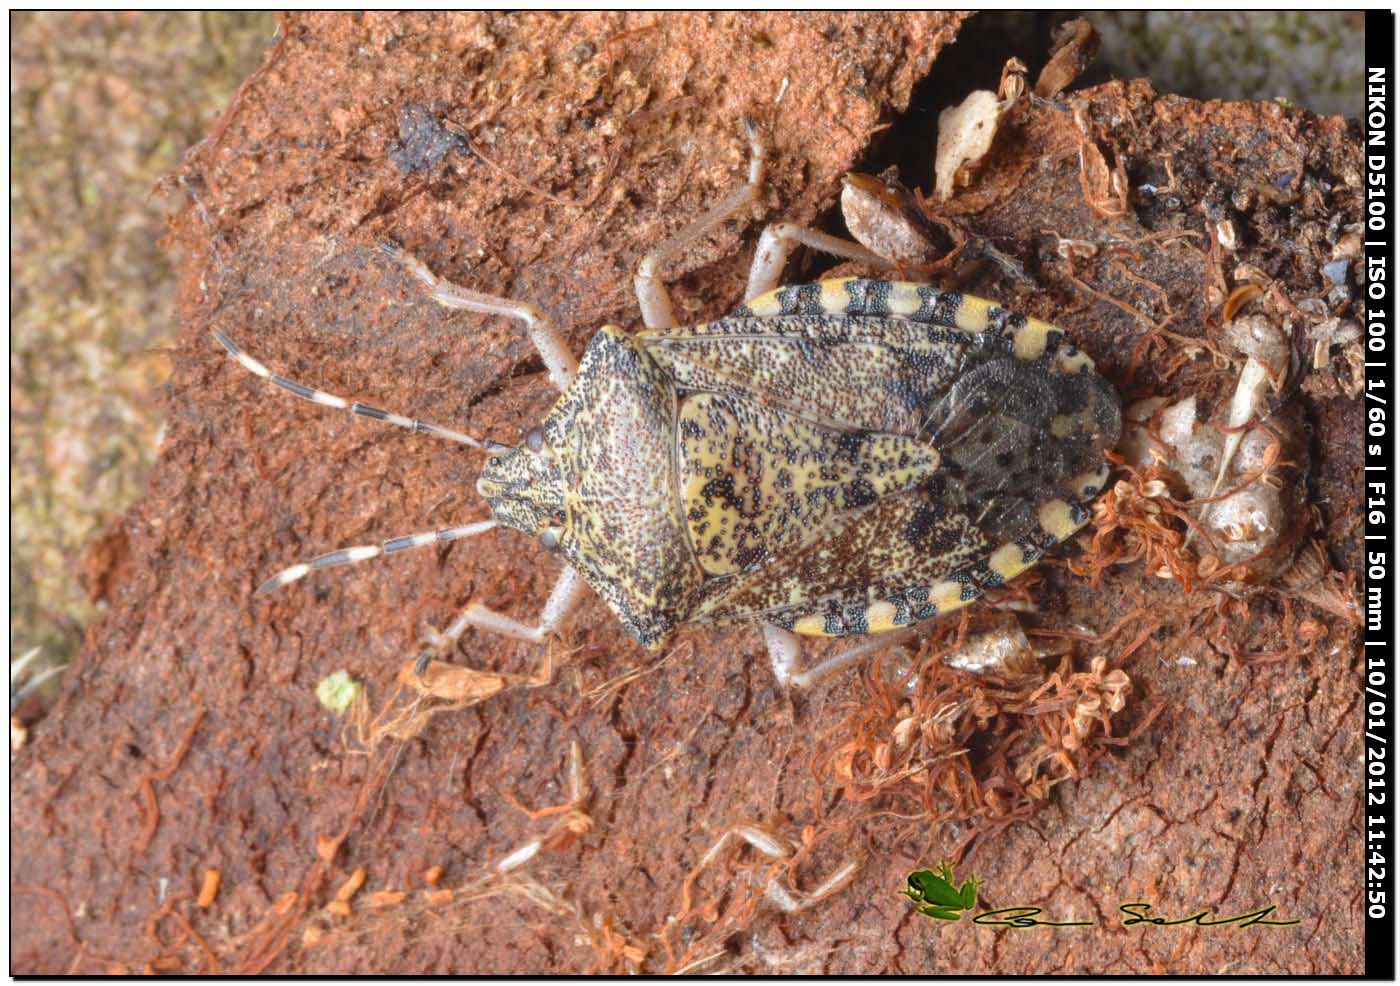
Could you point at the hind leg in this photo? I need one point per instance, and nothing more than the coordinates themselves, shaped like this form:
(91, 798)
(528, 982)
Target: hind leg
(652, 296)
(785, 653)
(778, 242)
(775, 246)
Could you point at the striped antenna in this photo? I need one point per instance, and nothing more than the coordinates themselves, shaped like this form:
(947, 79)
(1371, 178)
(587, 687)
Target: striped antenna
(364, 552)
(317, 396)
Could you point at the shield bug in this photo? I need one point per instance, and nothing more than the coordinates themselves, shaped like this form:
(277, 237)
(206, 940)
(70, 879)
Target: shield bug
(845, 457)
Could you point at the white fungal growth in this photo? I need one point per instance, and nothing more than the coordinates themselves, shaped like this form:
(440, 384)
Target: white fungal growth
(1179, 421)
(1259, 462)
(1258, 336)
(1246, 523)
(1267, 352)
(965, 134)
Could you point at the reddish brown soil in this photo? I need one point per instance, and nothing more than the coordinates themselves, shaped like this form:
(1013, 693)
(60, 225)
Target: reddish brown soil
(603, 133)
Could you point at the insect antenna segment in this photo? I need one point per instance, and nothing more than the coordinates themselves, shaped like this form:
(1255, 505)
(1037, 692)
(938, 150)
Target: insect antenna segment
(318, 396)
(364, 552)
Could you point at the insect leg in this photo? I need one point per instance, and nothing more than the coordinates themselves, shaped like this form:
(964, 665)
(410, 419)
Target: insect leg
(785, 651)
(557, 359)
(780, 239)
(652, 296)
(562, 598)
(318, 396)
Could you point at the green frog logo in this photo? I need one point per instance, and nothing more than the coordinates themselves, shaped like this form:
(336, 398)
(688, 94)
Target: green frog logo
(936, 895)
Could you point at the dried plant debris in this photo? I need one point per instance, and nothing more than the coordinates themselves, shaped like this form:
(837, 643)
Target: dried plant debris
(1312, 580)
(1000, 649)
(1237, 485)
(1073, 48)
(982, 748)
(755, 866)
(973, 731)
(965, 135)
(887, 219)
(1296, 247)
(1338, 359)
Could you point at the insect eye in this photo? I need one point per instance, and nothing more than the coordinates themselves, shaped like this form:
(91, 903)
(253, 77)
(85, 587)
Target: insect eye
(550, 539)
(534, 440)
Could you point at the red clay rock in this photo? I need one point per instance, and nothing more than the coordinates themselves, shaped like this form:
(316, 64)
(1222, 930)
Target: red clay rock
(592, 137)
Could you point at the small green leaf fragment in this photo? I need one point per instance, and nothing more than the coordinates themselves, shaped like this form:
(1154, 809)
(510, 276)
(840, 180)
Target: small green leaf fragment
(337, 691)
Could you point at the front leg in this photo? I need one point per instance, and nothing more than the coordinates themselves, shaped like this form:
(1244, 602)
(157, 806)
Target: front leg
(565, 595)
(557, 359)
(562, 598)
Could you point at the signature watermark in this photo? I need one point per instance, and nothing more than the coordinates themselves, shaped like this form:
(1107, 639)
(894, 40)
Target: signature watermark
(937, 894)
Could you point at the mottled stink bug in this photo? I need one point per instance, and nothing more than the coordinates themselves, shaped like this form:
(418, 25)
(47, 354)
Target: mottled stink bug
(845, 457)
